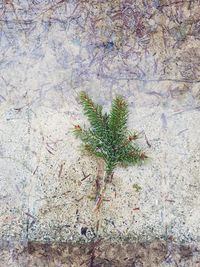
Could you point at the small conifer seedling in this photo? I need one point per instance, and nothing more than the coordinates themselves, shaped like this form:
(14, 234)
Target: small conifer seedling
(108, 137)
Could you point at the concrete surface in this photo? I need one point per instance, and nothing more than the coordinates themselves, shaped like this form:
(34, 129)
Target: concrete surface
(149, 52)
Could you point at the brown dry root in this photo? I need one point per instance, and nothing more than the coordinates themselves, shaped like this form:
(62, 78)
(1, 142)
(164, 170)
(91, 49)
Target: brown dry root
(98, 203)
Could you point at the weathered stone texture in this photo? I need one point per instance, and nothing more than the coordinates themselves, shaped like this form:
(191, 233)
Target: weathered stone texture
(148, 51)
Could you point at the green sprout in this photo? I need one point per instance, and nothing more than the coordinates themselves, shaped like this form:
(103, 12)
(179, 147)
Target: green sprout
(137, 187)
(108, 137)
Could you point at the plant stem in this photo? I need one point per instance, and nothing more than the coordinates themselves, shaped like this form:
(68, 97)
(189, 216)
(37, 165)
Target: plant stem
(102, 193)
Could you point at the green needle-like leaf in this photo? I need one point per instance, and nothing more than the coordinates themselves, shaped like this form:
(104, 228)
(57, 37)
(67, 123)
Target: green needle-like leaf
(108, 136)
